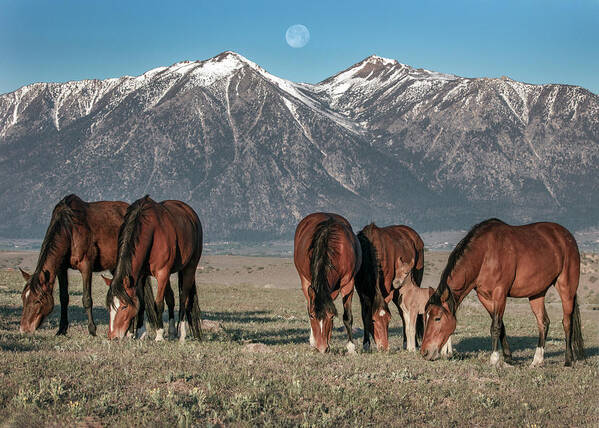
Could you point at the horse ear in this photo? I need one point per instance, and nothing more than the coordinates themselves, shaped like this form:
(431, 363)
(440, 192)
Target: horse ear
(107, 280)
(26, 275)
(445, 294)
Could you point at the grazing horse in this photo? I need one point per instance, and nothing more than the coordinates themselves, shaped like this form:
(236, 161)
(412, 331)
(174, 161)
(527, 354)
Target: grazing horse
(500, 261)
(393, 257)
(155, 239)
(327, 257)
(82, 236)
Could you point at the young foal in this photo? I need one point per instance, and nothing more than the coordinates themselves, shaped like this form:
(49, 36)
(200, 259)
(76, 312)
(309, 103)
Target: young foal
(327, 257)
(413, 303)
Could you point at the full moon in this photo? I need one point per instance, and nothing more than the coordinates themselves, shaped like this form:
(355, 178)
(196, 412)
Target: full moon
(297, 36)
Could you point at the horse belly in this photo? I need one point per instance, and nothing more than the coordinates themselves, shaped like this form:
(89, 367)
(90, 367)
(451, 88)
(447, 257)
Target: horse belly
(532, 284)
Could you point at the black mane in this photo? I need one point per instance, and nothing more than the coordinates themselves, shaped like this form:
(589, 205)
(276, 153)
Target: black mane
(320, 266)
(454, 257)
(371, 272)
(128, 239)
(66, 213)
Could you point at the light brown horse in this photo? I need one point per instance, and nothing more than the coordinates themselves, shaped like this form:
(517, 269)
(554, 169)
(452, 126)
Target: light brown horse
(156, 239)
(82, 236)
(393, 256)
(500, 261)
(327, 257)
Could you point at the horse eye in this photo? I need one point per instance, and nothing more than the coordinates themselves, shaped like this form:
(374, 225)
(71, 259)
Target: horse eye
(438, 319)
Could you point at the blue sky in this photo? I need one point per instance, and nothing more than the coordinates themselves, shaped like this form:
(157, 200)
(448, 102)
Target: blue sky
(529, 40)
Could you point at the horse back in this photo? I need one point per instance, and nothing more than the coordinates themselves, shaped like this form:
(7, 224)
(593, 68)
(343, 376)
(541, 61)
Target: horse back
(345, 245)
(185, 230)
(527, 258)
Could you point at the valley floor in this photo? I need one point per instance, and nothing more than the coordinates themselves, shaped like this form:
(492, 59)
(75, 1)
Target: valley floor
(254, 366)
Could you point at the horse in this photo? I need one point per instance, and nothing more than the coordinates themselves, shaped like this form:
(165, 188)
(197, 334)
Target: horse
(155, 239)
(327, 257)
(82, 236)
(393, 256)
(499, 261)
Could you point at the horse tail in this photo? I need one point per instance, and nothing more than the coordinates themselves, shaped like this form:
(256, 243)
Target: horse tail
(150, 304)
(320, 265)
(196, 314)
(577, 341)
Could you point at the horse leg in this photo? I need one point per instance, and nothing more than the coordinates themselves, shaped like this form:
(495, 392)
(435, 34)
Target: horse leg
(169, 297)
(86, 273)
(182, 327)
(138, 328)
(538, 308)
(411, 316)
(305, 285)
(495, 306)
(348, 318)
(397, 301)
(366, 306)
(447, 349)
(163, 282)
(63, 285)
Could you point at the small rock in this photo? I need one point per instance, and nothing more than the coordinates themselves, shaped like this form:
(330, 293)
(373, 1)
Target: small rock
(212, 326)
(257, 347)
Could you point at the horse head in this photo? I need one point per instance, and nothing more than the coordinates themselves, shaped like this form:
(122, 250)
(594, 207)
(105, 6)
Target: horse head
(37, 298)
(440, 323)
(122, 306)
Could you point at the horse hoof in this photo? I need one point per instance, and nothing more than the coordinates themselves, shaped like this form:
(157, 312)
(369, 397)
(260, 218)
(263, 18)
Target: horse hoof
(92, 331)
(159, 335)
(61, 332)
(351, 348)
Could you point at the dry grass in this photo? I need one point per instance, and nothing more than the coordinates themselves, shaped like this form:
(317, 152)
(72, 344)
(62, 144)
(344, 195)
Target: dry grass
(256, 369)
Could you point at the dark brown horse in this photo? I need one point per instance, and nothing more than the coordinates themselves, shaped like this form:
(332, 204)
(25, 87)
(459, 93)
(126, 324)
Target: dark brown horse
(392, 257)
(500, 261)
(81, 236)
(156, 239)
(327, 257)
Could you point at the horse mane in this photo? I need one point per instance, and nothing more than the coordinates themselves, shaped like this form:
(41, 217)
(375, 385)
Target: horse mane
(70, 210)
(129, 233)
(454, 258)
(320, 266)
(371, 270)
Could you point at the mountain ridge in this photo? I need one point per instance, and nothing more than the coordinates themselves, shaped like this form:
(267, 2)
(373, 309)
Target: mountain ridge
(253, 153)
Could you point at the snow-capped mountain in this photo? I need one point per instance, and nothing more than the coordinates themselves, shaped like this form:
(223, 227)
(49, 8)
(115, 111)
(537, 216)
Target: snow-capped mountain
(253, 153)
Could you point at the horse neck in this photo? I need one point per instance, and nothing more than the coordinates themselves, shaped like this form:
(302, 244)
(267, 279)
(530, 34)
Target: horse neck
(142, 250)
(55, 258)
(462, 277)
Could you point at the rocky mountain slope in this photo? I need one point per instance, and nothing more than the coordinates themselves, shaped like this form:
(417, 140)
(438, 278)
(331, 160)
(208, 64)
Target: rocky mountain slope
(254, 153)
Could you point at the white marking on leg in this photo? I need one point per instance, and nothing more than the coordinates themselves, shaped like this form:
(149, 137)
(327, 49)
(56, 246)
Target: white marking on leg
(27, 293)
(539, 356)
(159, 335)
(321, 322)
(382, 313)
(172, 330)
(182, 331)
(312, 341)
(351, 348)
(142, 333)
(494, 358)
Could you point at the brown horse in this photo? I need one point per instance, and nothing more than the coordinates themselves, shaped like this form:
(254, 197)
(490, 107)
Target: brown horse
(82, 236)
(393, 256)
(327, 257)
(155, 239)
(500, 261)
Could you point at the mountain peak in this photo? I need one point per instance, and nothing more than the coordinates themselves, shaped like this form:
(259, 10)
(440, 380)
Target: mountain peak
(379, 60)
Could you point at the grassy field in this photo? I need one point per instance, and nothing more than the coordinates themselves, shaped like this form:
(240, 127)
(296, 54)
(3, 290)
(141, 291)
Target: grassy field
(254, 367)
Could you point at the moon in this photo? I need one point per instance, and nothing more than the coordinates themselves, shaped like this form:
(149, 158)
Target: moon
(297, 36)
